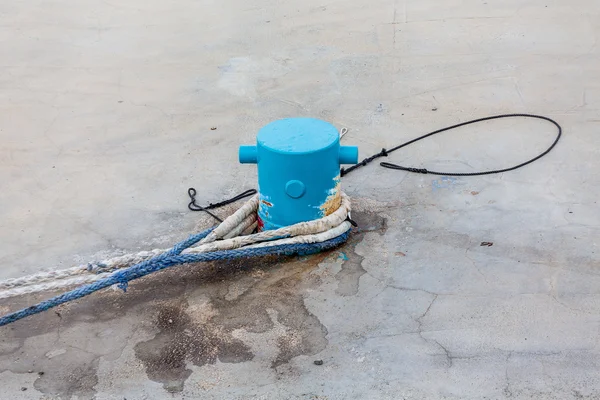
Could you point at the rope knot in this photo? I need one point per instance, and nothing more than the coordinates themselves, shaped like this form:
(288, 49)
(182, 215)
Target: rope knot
(384, 152)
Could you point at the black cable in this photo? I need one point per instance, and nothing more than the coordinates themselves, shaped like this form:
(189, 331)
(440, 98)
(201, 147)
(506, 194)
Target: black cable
(195, 207)
(384, 152)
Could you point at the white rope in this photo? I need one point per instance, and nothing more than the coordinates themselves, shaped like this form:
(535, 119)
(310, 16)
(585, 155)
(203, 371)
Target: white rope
(52, 285)
(113, 263)
(224, 237)
(82, 279)
(296, 230)
(232, 221)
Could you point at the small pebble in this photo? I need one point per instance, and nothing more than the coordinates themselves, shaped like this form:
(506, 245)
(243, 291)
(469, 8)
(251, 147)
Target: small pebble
(318, 362)
(434, 109)
(41, 373)
(30, 371)
(214, 128)
(23, 389)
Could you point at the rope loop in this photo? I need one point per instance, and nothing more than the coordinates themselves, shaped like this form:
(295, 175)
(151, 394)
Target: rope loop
(385, 153)
(229, 240)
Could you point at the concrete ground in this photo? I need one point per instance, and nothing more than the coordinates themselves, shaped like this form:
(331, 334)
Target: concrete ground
(107, 110)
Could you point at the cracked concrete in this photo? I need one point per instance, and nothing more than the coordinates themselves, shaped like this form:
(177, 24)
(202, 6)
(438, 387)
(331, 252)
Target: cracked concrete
(107, 116)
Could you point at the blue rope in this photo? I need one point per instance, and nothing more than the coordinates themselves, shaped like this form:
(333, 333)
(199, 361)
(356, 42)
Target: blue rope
(169, 259)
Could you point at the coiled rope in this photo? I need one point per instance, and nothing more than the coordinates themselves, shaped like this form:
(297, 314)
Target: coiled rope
(226, 241)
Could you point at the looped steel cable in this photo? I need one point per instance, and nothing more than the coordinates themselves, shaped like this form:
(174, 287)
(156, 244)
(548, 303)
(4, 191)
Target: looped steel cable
(384, 153)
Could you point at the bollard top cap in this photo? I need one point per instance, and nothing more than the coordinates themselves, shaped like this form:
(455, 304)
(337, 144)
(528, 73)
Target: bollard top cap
(298, 135)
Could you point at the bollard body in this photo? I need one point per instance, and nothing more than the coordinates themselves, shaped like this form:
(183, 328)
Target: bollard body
(298, 170)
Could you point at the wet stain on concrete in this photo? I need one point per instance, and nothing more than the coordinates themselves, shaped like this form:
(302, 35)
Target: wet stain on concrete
(180, 340)
(77, 381)
(203, 337)
(349, 276)
(61, 368)
(351, 271)
(38, 347)
(241, 295)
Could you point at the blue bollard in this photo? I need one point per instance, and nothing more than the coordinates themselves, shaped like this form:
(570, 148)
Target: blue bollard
(298, 170)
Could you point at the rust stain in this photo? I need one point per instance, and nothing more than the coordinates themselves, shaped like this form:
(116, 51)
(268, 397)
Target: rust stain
(264, 207)
(334, 200)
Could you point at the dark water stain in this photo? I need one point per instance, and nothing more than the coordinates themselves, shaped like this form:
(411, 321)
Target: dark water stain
(369, 222)
(63, 346)
(78, 380)
(161, 303)
(349, 276)
(60, 366)
(181, 339)
(268, 285)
